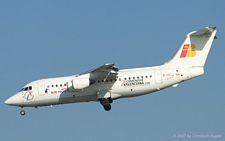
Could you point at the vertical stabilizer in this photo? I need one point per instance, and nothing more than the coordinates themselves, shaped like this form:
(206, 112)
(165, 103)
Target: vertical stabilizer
(194, 50)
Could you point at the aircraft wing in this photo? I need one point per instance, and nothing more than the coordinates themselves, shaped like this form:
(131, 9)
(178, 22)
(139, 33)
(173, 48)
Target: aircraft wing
(108, 68)
(103, 71)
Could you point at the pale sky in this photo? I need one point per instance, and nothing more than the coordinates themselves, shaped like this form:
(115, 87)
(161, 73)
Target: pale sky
(42, 39)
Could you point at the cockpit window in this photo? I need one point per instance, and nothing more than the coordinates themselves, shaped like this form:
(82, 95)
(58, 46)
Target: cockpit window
(25, 89)
(22, 89)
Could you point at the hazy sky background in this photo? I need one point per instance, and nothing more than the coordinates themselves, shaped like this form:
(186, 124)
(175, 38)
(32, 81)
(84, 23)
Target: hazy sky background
(41, 39)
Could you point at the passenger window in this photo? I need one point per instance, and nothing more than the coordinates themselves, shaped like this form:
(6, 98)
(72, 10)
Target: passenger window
(60, 85)
(125, 78)
(142, 77)
(129, 78)
(98, 81)
(146, 76)
(138, 77)
(133, 77)
(52, 86)
(102, 80)
(30, 87)
(56, 85)
(111, 80)
(119, 79)
(115, 79)
(64, 84)
(150, 76)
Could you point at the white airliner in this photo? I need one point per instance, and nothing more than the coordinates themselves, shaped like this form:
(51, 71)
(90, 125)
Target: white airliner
(107, 83)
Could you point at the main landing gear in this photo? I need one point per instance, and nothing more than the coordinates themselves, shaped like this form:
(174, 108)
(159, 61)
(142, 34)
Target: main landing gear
(22, 112)
(106, 103)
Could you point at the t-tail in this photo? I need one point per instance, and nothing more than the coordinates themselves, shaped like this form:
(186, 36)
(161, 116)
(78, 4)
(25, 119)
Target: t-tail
(193, 52)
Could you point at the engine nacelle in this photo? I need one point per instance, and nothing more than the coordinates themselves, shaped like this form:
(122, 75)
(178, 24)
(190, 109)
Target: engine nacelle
(79, 83)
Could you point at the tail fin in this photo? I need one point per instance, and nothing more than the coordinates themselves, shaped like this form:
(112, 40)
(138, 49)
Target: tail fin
(194, 50)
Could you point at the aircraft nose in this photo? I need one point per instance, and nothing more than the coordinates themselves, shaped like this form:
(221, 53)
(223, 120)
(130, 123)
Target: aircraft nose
(8, 101)
(15, 100)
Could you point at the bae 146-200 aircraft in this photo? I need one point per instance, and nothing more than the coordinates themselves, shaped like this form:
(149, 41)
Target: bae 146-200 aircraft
(107, 83)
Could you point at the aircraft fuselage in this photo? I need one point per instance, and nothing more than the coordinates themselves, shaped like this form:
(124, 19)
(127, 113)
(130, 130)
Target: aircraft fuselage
(129, 83)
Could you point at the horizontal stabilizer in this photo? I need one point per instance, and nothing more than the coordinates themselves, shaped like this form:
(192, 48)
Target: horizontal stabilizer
(204, 31)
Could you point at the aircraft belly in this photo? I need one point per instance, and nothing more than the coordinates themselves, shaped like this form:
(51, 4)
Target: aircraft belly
(77, 99)
(131, 92)
(80, 96)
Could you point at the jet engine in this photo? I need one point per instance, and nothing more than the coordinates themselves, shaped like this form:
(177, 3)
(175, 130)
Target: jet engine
(79, 83)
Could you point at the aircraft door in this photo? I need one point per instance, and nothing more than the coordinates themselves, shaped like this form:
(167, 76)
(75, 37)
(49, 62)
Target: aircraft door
(158, 76)
(41, 88)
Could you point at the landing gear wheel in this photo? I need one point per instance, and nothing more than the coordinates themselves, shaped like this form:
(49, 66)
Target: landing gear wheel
(107, 108)
(105, 102)
(22, 112)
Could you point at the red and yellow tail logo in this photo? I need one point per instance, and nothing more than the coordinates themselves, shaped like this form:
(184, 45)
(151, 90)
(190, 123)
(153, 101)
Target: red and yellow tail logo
(188, 51)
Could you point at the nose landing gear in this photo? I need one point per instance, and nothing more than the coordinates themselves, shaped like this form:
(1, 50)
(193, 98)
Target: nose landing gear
(22, 112)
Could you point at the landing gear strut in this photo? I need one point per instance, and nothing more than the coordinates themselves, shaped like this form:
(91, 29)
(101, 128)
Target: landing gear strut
(106, 103)
(22, 112)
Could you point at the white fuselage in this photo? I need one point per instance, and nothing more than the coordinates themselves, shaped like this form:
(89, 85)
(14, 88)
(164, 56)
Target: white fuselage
(129, 83)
